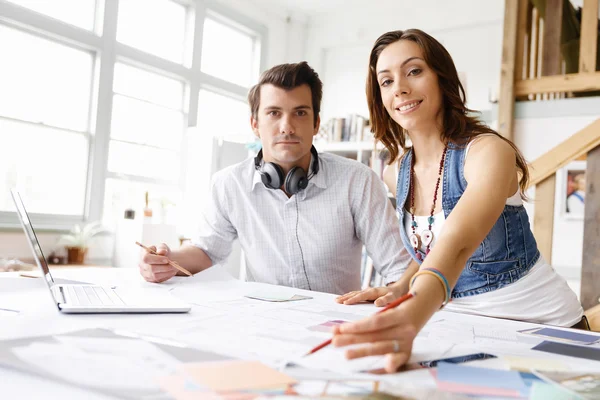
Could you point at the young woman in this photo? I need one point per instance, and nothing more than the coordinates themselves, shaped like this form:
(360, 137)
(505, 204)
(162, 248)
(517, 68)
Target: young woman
(460, 202)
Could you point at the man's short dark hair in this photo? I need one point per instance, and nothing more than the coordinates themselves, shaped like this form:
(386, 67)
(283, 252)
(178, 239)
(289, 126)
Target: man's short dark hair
(289, 76)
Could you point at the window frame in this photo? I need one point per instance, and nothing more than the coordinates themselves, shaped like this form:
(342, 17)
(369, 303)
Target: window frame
(102, 42)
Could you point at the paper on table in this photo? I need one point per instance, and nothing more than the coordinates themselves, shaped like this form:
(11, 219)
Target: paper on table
(466, 379)
(427, 349)
(527, 364)
(236, 375)
(334, 359)
(182, 387)
(130, 348)
(100, 371)
(545, 391)
(212, 284)
(274, 297)
(564, 335)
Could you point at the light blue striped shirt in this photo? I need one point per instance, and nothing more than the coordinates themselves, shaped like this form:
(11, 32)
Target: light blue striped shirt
(313, 239)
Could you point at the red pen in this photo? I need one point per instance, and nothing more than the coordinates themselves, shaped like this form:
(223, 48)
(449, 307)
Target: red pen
(393, 304)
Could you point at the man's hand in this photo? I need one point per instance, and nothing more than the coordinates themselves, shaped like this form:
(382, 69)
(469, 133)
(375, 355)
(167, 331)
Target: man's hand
(155, 268)
(382, 296)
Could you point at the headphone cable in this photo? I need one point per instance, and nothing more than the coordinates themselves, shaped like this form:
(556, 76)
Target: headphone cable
(299, 245)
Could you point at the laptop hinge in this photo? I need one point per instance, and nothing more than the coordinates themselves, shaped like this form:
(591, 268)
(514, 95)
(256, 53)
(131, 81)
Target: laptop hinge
(59, 294)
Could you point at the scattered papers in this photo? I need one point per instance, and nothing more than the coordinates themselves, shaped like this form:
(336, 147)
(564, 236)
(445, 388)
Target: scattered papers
(106, 370)
(479, 381)
(234, 379)
(276, 297)
(528, 364)
(236, 375)
(546, 391)
(334, 359)
(590, 353)
(586, 385)
(559, 335)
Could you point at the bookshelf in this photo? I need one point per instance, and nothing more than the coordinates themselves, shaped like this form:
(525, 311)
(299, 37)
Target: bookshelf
(367, 152)
(351, 137)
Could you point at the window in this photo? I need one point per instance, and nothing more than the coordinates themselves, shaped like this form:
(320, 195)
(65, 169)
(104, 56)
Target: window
(43, 81)
(121, 194)
(80, 13)
(154, 26)
(146, 137)
(90, 121)
(229, 53)
(214, 109)
(44, 122)
(48, 166)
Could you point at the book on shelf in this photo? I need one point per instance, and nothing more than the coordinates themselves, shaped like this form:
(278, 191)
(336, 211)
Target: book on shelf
(347, 129)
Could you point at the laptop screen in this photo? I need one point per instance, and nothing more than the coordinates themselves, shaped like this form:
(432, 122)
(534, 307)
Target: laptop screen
(31, 237)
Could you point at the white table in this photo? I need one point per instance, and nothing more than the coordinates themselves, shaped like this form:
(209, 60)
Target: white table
(39, 316)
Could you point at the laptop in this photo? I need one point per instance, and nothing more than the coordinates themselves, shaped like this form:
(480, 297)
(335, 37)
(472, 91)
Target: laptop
(86, 299)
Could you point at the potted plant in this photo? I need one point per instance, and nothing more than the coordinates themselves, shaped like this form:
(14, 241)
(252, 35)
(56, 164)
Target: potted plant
(77, 240)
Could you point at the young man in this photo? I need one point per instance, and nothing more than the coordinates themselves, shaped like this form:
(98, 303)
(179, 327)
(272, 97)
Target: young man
(301, 217)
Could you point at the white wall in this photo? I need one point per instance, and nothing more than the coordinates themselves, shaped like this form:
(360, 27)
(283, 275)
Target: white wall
(338, 45)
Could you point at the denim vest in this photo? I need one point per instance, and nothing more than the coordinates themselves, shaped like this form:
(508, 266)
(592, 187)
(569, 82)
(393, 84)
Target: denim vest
(506, 254)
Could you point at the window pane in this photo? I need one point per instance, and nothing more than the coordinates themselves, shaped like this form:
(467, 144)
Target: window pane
(47, 165)
(43, 81)
(144, 85)
(133, 159)
(144, 123)
(121, 194)
(215, 108)
(75, 12)
(228, 53)
(154, 26)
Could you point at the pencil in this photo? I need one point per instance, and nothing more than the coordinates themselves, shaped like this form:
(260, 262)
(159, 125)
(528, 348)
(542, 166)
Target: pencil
(171, 263)
(393, 304)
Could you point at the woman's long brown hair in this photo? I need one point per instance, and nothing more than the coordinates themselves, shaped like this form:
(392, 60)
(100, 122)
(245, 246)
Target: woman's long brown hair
(458, 126)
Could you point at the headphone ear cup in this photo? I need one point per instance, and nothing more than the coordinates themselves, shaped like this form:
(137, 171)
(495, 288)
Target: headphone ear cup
(295, 180)
(271, 175)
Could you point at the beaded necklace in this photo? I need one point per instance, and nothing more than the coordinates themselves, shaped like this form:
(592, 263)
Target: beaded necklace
(426, 236)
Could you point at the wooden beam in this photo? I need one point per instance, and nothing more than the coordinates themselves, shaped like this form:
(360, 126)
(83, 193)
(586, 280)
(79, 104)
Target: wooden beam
(506, 99)
(520, 56)
(590, 264)
(535, 45)
(589, 36)
(528, 35)
(559, 156)
(559, 83)
(543, 216)
(552, 28)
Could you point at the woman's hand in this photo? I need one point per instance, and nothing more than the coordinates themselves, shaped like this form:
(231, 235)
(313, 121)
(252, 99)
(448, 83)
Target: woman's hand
(382, 296)
(391, 333)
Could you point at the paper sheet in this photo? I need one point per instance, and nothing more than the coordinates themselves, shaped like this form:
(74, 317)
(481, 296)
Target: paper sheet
(236, 375)
(527, 364)
(124, 365)
(334, 359)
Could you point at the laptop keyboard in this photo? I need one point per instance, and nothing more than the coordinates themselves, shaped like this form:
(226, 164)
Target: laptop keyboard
(91, 296)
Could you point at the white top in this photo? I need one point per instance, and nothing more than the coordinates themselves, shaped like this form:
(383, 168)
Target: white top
(541, 296)
(313, 239)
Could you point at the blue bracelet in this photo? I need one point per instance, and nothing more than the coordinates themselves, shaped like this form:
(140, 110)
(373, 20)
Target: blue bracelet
(443, 281)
